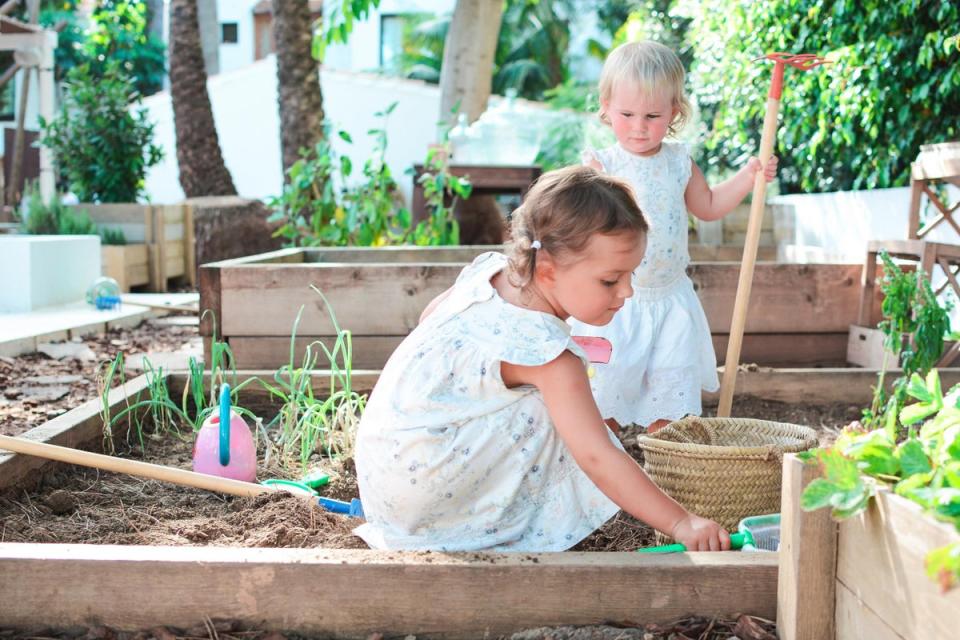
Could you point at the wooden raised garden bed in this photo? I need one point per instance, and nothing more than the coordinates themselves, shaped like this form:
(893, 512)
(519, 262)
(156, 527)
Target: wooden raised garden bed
(160, 241)
(799, 315)
(864, 578)
(350, 593)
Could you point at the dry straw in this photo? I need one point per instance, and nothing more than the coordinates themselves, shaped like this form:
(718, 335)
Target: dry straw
(725, 469)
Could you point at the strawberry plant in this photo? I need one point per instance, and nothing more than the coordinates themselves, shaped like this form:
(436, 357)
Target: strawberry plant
(924, 466)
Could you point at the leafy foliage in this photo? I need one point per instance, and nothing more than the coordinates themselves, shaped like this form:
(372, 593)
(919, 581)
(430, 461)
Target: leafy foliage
(924, 467)
(320, 205)
(117, 32)
(338, 24)
(103, 148)
(54, 218)
(57, 218)
(854, 124)
(914, 327)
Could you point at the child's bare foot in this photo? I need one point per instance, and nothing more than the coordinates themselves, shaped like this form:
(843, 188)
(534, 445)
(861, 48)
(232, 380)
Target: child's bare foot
(613, 424)
(656, 426)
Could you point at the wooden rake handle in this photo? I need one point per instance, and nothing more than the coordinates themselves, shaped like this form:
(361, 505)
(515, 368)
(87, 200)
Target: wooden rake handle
(133, 467)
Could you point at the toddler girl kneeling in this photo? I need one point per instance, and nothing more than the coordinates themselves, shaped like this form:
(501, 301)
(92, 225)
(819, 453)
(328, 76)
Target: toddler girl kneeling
(482, 432)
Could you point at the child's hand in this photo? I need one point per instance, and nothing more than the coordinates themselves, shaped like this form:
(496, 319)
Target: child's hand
(770, 172)
(700, 534)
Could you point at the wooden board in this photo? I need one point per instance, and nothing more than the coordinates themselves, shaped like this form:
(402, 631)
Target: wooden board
(808, 555)
(880, 559)
(77, 428)
(856, 621)
(368, 299)
(785, 299)
(372, 352)
(356, 593)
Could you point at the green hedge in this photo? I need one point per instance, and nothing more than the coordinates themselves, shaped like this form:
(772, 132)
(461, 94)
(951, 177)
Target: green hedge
(854, 124)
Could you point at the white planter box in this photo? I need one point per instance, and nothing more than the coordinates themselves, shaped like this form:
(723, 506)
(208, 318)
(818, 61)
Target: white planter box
(40, 271)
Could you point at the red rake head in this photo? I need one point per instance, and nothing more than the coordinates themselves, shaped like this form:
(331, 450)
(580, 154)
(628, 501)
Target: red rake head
(802, 61)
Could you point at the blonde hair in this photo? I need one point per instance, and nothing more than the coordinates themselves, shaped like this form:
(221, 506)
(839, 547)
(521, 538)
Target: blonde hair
(650, 67)
(563, 210)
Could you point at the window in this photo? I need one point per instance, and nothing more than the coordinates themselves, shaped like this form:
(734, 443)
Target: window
(391, 41)
(228, 33)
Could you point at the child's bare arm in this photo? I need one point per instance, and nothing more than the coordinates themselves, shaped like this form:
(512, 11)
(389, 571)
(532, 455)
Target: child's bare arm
(433, 304)
(712, 203)
(566, 392)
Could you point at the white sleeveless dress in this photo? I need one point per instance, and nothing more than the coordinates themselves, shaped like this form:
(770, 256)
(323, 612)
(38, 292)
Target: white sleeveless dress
(448, 458)
(662, 352)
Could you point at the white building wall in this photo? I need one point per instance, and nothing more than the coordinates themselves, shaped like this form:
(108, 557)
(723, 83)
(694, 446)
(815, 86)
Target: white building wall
(240, 54)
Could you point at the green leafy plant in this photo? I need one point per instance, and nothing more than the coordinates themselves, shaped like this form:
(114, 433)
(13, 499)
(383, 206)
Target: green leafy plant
(57, 218)
(103, 146)
(441, 189)
(923, 466)
(116, 31)
(307, 424)
(321, 205)
(914, 326)
(54, 218)
(855, 124)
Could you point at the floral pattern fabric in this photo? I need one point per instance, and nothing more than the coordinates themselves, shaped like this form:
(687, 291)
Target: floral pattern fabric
(450, 459)
(662, 350)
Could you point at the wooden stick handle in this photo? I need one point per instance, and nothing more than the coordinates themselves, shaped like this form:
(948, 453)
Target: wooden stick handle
(132, 467)
(750, 245)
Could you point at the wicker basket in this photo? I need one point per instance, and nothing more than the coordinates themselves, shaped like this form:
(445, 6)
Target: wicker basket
(725, 469)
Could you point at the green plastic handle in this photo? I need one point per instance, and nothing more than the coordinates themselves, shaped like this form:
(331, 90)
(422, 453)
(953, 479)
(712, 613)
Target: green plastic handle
(736, 542)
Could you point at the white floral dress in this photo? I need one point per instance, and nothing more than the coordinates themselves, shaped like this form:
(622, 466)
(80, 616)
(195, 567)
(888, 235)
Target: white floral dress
(662, 351)
(448, 458)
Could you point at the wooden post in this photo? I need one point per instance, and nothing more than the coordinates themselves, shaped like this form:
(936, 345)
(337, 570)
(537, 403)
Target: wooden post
(867, 282)
(806, 585)
(189, 248)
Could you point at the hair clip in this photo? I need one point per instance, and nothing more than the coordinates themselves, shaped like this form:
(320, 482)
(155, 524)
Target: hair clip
(535, 245)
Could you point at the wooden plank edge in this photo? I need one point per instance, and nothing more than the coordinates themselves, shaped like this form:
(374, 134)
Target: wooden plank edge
(78, 428)
(456, 595)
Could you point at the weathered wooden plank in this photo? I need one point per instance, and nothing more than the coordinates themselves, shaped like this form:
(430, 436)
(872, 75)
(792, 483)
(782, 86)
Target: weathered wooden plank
(808, 556)
(855, 620)
(787, 349)
(368, 299)
(396, 255)
(280, 256)
(880, 560)
(266, 352)
(257, 398)
(372, 352)
(76, 428)
(395, 593)
(210, 305)
(785, 298)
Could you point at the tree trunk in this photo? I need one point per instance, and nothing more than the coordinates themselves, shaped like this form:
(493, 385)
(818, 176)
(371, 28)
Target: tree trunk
(298, 80)
(465, 78)
(202, 171)
(467, 71)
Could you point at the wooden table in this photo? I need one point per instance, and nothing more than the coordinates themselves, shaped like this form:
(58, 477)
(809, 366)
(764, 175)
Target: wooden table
(486, 180)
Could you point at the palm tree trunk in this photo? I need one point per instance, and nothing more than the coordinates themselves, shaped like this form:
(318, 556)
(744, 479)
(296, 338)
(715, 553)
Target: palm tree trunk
(202, 171)
(465, 78)
(467, 71)
(298, 80)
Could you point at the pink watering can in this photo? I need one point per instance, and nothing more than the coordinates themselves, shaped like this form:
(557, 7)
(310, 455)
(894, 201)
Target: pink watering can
(224, 445)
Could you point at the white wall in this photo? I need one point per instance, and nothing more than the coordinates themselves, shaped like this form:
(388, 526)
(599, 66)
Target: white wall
(245, 111)
(235, 56)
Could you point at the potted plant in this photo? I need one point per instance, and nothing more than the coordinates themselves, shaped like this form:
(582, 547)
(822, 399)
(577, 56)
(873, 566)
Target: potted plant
(103, 150)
